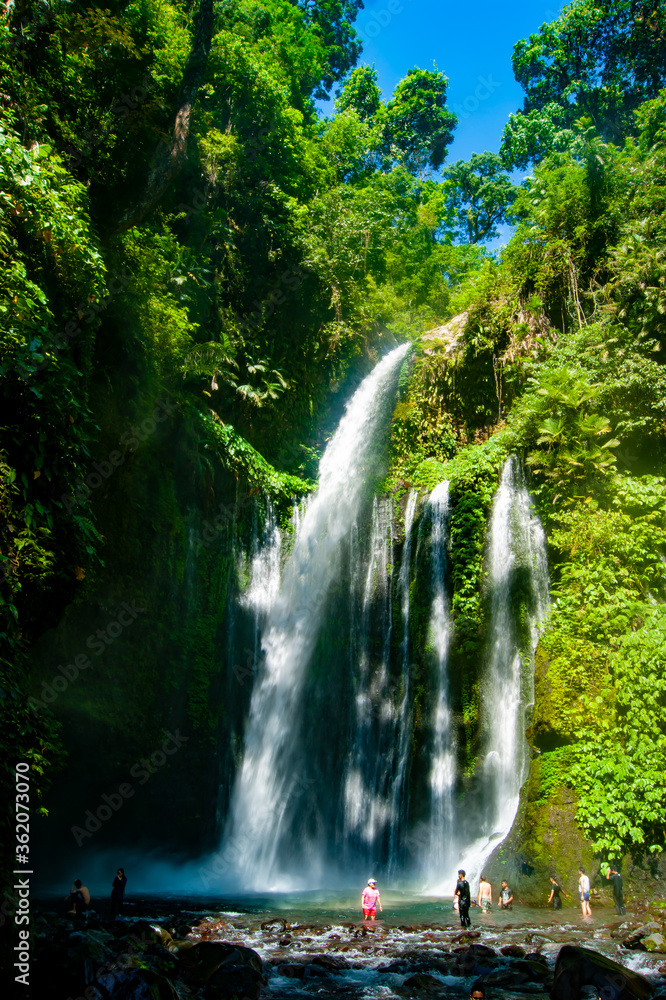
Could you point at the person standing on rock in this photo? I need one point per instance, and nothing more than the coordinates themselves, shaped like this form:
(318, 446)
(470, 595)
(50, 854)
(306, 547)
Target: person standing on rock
(118, 892)
(485, 896)
(618, 895)
(464, 898)
(369, 899)
(584, 886)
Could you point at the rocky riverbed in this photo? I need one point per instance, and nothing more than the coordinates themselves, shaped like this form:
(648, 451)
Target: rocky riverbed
(161, 951)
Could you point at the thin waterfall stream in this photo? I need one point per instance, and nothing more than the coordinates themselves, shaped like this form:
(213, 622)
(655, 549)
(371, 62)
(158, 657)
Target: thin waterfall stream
(517, 570)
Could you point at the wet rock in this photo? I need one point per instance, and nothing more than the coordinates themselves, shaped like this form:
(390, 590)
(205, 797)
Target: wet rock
(207, 957)
(398, 965)
(275, 924)
(534, 972)
(312, 971)
(504, 979)
(89, 946)
(633, 940)
(482, 951)
(291, 970)
(577, 967)
(467, 936)
(134, 984)
(235, 982)
(333, 963)
(421, 982)
(512, 951)
(654, 942)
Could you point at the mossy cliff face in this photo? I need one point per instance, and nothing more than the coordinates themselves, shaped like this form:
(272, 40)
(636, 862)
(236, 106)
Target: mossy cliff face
(587, 800)
(145, 671)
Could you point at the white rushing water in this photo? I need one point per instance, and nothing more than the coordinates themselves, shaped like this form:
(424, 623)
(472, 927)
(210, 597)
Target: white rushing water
(258, 827)
(404, 728)
(366, 811)
(442, 775)
(517, 563)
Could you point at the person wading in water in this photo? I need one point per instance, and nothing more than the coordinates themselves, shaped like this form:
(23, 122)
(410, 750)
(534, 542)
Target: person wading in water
(369, 899)
(464, 898)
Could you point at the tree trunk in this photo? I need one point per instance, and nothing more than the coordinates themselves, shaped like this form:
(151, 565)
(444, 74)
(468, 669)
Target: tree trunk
(170, 155)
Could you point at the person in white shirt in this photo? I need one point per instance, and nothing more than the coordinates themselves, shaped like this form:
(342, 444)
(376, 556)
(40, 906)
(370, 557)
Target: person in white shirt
(584, 886)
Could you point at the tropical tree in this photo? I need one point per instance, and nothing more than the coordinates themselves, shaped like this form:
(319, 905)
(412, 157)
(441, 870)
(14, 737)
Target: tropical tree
(600, 58)
(480, 193)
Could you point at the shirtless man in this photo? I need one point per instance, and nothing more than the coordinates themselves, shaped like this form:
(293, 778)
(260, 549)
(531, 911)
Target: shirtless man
(485, 897)
(584, 887)
(79, 898)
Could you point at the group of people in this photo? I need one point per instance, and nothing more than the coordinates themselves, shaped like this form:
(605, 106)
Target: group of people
(79, 895)
(462, 897)
(612, 875)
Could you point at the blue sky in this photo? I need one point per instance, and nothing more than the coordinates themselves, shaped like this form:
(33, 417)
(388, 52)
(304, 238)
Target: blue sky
(471, 43)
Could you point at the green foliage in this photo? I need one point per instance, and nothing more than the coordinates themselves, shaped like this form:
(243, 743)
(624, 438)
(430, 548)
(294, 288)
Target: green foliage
(480, 195)
(417, 125)
(600, 58)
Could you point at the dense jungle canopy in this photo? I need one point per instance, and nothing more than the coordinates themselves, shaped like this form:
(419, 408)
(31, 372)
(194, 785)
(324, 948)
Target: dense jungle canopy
(181, 226)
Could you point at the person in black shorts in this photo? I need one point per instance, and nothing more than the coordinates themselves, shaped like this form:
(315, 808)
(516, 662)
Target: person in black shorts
(618, 895)
(555, 890)
(464, 898)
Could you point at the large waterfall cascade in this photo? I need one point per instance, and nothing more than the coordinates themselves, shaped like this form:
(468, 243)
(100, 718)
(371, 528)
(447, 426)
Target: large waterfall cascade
(352, 768)
(259, 828)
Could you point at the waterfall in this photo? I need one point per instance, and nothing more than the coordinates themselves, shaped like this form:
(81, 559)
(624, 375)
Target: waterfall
(517, 572)
(404, 715)
(442, 775)
(367, 772)
(259, 834)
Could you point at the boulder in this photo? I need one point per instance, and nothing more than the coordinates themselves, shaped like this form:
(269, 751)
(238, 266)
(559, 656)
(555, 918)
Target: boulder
(654, 942)
(333, 963)
(421, 982)
(512, 951)
(291, 970)
(225, 970)
(634, 940)
(277, 924)
(236, 982)
(134, 984)
(577, 967)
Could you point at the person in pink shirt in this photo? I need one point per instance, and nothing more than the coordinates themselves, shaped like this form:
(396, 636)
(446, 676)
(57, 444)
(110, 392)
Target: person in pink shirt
(369, 900)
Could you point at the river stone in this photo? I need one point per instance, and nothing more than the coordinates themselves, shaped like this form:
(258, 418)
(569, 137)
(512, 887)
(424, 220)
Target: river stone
(577, 967)
(277, 923)
(334, 963)
(134, 984)
(206, 957)
(654, 942)
(512, 951)
(633, 940)
(482, 951)
(535, 971)
(421, 982)
(237, 982)
(291, 970)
